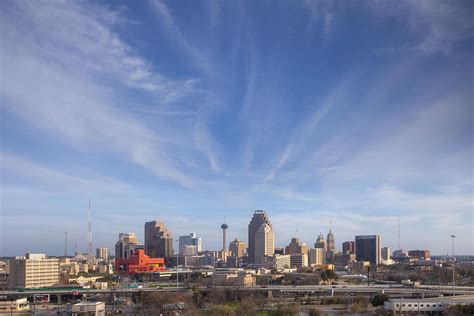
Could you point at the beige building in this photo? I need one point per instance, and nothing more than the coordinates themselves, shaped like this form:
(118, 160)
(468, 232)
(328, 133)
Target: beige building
(317, 256)
(240, 278)
(298, 260)
(158, 241)
(320, 242)
(126, 245)
(264, 243)
(34, 270)
(237, 247)
(102, 253)
(296, 247)
(281, 262)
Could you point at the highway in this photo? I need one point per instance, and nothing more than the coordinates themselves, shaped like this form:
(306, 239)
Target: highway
(356, 289)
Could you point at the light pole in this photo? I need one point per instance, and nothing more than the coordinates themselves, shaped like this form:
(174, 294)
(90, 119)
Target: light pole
(177, 253)
(454, 278)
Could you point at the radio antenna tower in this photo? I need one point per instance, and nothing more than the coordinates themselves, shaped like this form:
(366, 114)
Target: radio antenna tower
(398, 233)
(89, 234)
(65, 244)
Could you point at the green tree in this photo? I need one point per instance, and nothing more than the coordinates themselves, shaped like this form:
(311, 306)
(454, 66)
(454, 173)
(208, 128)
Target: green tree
(378, 299)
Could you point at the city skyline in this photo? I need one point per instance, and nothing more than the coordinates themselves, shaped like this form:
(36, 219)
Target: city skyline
(359, 115)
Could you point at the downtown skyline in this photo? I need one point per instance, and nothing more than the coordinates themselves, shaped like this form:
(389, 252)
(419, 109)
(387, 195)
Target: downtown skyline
(199, 113)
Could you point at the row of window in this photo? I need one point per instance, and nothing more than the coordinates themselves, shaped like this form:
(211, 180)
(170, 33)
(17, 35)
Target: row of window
(421, 305)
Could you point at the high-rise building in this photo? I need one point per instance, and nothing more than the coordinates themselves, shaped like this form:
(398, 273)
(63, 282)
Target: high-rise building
(320, 242)
(33, 270)
(158, 241)
(237, 247)
(296, 247)
(259, 217)
(126, 245)
(420, 254)
(264, 243)
(298, 260)
(348, 246)
(224, 236)
(102, 253)
(330, 242)
(317, 256)
(190, 240)
(386, 254)
(368, 248)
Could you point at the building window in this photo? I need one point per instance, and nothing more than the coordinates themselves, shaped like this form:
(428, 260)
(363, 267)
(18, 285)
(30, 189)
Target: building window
(409, 305)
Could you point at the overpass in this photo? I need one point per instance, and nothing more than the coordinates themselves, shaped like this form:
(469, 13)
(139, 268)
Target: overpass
(346, 289)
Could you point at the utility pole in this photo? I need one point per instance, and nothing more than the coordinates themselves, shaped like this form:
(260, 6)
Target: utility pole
(453, 260)
(177, 280)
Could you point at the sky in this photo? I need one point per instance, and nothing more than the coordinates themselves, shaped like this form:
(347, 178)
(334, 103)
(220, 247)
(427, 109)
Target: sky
(357, 113)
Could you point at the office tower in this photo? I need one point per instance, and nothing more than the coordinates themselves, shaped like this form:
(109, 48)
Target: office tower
(237, 247)
(348, 246)
(330, 242)
(189, 250)
(420, 254)
(296, 247)
(190, 240)
(264, 243)
(102, 253)
(368, 248)
(317, 256)
(320, 242)
(385, 253)
(224, 236)
(158, 241)
(126, 245)
(259, 217)
(298, 260)
(34, 270)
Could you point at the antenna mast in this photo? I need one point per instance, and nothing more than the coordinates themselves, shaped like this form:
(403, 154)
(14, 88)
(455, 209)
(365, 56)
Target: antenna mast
(89, 234)
(65, 244)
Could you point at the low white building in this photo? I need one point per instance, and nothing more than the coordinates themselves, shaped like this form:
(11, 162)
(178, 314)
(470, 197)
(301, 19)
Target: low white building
(425, 306)
(88, 308)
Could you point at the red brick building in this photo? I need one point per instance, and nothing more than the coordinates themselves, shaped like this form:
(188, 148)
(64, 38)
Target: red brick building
(139, 263)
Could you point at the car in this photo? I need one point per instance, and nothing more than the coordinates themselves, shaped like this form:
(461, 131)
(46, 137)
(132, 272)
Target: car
(334, 287)
(264, 287)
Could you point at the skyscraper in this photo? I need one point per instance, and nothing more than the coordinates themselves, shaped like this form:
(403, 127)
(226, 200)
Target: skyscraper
(348, 246)
(158, 241)
(264, 243)
(368, 248)
(330, 242)
(320, 242)
(237, 247)
(190, 240)
(296, 247)
(317, 256)
(259, 217)
(102, 253)
(126, 245)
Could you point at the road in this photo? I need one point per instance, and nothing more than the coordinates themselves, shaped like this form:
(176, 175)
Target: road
(362, 289)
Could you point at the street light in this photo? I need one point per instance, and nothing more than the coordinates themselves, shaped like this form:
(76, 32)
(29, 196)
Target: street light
(454, 279)
(177, 253)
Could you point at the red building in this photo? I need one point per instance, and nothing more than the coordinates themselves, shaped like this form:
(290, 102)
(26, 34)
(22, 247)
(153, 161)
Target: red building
(139, 263)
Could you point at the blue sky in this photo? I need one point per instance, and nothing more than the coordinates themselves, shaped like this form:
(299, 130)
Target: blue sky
(193, 112)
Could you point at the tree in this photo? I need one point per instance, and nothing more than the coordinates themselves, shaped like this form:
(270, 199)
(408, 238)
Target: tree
(247, 307)
(288, 310)
(378, 299)
(222, 310)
